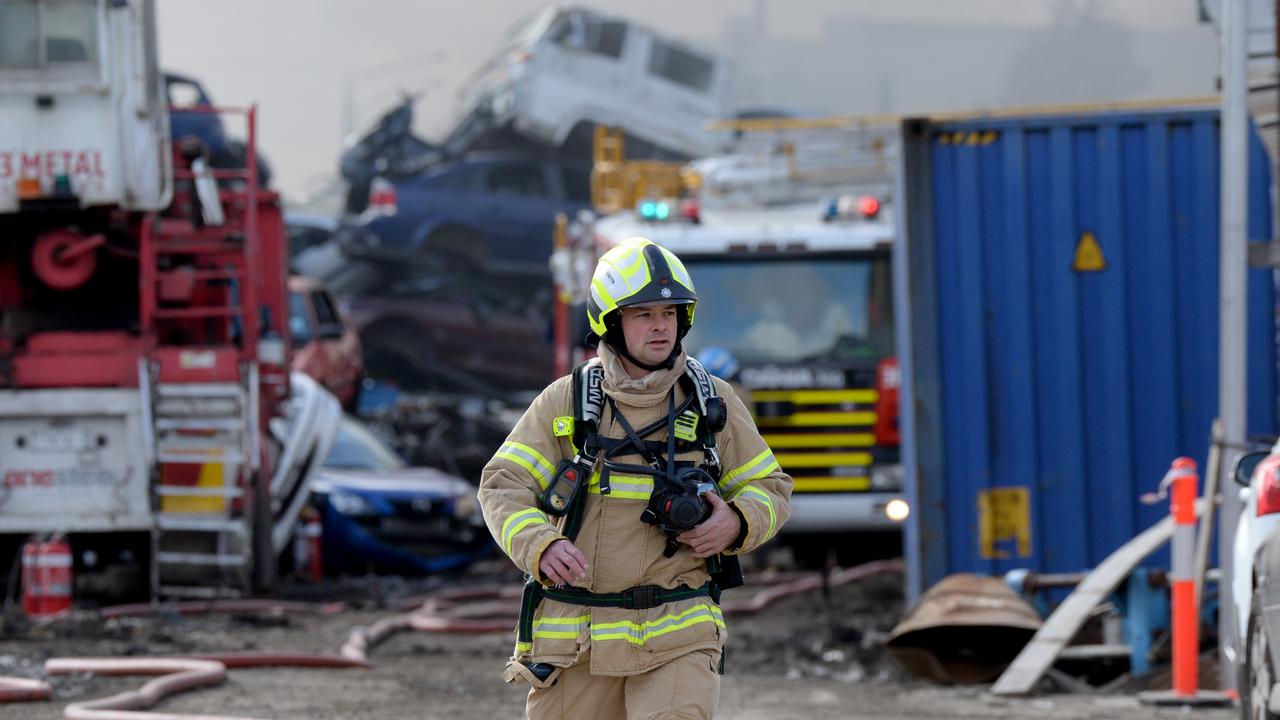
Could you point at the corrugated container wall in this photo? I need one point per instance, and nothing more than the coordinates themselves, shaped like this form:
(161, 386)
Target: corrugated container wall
(1063, 292)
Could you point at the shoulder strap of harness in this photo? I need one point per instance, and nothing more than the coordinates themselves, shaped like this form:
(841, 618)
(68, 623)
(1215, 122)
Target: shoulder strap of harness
(588, 404)
(588, 407)
(698, 382)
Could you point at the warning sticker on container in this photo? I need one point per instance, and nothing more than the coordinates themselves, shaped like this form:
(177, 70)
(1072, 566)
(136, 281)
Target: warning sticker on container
(1004, 522)
(1089, 257)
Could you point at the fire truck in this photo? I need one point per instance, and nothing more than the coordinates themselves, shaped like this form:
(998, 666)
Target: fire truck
(147, 411)
(788, 242)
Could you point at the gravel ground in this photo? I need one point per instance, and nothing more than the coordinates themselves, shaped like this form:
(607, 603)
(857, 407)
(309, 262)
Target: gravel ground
(801, 658)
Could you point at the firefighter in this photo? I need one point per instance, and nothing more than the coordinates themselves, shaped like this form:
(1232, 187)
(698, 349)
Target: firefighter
(621, 616)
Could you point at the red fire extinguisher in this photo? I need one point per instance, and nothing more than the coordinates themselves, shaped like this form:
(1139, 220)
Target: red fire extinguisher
(308, 557)
(46, 576)
(31, 590)
(315, 556)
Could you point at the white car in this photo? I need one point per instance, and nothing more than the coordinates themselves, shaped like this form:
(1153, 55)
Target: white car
(565, 69)
(1256, 546)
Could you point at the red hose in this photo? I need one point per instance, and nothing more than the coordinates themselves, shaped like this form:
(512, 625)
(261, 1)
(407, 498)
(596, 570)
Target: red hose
(362, 640)
(808, 583)
(178, 675)
(14, 689)
(449, 596)
(437, 623)
(199, 607)
(444, 611)
(267, 659)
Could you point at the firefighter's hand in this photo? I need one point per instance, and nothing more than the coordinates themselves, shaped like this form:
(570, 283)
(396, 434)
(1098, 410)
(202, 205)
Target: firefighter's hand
(716, 533)
(564, 564)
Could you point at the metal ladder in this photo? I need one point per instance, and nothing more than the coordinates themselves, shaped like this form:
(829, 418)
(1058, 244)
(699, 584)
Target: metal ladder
(202, 533)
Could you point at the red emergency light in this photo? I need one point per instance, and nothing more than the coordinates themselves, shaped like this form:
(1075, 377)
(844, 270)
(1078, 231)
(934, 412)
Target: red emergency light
(868, 206)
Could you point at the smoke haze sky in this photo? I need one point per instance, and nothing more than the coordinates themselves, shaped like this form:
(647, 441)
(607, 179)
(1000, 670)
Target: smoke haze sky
(317, 66)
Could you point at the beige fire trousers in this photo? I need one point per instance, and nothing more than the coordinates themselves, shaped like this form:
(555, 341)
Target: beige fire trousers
(687, 688)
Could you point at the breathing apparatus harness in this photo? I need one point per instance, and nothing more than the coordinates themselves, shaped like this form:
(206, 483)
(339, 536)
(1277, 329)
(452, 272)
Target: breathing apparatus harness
(676, 503)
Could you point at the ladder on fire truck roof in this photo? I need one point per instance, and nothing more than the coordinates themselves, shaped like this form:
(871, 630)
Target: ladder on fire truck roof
(200, 377)
(773, 161)
(787, 160)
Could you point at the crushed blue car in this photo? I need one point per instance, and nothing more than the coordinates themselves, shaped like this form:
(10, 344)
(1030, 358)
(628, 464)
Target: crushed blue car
(380, 515)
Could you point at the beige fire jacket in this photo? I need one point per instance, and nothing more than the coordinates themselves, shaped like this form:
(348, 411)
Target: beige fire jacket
(621, 551)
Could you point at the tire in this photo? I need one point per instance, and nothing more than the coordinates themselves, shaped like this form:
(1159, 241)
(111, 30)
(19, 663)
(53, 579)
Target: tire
(1256, 672)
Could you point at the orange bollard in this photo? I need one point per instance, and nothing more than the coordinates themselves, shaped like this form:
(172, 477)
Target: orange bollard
(1186, 616)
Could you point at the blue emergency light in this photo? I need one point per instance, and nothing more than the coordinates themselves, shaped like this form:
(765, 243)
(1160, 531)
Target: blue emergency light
(654, 210)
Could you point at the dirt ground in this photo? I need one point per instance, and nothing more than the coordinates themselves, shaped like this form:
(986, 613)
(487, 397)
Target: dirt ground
(803, 657)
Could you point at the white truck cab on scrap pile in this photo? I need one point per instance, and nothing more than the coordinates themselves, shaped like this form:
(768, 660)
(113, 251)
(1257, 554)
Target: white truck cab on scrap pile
(559, 72)
(146, 405)
(791, 259)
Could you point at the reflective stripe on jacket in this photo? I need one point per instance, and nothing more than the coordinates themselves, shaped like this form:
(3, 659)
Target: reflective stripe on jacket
(621, 551)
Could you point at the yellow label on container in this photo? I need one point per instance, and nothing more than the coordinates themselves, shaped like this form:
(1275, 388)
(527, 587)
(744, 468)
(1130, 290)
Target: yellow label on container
(1004, 522)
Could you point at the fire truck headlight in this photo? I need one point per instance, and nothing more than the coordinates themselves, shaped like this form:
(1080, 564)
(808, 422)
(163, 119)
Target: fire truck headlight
(897, 510)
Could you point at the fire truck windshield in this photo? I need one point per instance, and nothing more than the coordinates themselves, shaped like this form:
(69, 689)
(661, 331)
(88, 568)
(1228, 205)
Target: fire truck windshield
(792, 310)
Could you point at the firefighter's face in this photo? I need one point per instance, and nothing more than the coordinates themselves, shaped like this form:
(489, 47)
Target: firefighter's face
(650, 332)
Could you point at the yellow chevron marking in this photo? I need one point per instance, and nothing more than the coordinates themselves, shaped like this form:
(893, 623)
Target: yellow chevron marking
(821, 440)
(819, 418)
(831, 484)
(815, 396)
(811, 460)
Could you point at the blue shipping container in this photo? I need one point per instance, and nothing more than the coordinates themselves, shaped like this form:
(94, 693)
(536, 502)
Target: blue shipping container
(1061, 281)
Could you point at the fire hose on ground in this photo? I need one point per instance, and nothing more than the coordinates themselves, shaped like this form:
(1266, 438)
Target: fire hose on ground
(493, 608)
(479, 609)
(177, 674)
(13, 689)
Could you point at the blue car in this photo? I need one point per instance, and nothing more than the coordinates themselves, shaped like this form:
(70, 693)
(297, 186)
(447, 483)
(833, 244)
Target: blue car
(380, 515)
(191, 116)
(492, 211)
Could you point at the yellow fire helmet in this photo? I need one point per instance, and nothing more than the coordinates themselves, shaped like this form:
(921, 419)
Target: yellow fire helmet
(639, 272)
